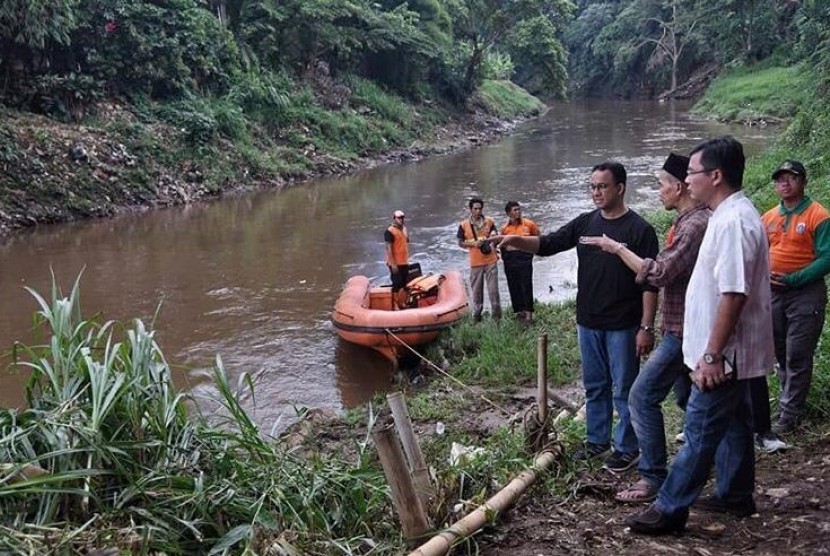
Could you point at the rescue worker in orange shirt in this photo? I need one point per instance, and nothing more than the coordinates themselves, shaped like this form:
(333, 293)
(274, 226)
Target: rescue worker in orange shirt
(484, 267)
(799, 254)
(396, 237)
(518, 265)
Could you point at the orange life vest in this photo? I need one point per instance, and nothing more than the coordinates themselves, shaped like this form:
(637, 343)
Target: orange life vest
(400, 245)
(477, 258)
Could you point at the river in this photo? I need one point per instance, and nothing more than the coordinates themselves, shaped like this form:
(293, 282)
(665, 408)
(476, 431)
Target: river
(253, 278)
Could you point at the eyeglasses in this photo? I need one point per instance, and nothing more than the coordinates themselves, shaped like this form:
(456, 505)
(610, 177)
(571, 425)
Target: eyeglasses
(693, 172)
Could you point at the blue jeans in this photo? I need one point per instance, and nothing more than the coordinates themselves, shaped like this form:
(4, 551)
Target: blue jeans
(663, 370)
(718, 429)
(609, 367)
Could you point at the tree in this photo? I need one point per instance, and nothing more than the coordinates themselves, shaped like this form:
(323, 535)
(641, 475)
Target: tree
(483, 24)
(675, 34)
(29, 29)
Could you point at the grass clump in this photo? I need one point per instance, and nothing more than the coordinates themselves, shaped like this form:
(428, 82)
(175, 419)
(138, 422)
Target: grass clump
(506, 99)
(750, 94)
(503, 354)
(107, 455)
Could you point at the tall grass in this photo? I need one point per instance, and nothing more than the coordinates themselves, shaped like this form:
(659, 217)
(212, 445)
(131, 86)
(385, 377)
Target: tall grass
(106, 454)
(749, 94)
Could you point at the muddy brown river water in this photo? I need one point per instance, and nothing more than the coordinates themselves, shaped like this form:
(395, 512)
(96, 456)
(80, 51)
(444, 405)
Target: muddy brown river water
(253, 278)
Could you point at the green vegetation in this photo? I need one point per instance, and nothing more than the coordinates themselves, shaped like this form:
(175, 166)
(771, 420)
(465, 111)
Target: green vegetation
(61, 60)
(106, 454)
(636, 48)
(507, 100)
(753, 94)
(106, 434)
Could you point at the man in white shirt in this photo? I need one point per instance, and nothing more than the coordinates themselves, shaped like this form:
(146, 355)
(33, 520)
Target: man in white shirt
(727, 340)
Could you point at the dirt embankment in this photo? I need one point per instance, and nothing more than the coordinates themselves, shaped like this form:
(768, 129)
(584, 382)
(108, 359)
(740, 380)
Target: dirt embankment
(54, 172)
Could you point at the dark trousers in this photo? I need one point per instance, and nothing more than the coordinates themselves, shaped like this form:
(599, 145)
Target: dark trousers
(518, 268)
(399, 277)
(797, 320)
(759, 391)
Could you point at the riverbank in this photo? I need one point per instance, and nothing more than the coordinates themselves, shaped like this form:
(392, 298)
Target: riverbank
(158, 475)
(130, 159)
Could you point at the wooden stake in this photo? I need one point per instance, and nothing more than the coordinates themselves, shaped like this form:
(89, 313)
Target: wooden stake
(417, 465)
(542, 378)
(404, 498)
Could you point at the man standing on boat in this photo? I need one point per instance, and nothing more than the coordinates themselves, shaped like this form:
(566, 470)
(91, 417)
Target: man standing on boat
(614, 315)
(396, 237)
(518, 265)
(670, 270)
(484, 270)
(727, 342)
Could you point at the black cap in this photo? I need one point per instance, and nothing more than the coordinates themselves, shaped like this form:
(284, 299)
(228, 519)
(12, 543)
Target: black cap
(792, 166)
(677, 165)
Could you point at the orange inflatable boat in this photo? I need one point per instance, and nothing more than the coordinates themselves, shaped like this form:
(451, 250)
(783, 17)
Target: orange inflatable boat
(364, 315)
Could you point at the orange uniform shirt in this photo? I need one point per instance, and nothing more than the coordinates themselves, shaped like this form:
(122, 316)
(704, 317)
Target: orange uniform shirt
(792, 236)
(400, 245)
(525, 227)
(477, 258)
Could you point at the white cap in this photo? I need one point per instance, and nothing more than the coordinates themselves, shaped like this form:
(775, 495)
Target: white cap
(398, 214)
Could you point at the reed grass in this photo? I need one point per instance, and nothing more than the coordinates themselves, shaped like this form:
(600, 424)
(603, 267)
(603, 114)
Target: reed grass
(106, 454)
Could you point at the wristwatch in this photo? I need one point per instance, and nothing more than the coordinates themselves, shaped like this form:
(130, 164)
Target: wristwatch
(647, 328)
(712, 358)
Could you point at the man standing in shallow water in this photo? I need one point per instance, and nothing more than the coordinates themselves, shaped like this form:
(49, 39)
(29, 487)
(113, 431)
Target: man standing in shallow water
(727, 341)
(614, 315)
(670, 270)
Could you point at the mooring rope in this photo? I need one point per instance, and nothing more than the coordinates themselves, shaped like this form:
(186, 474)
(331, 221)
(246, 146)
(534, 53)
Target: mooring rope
(446, 374)
(539, 436)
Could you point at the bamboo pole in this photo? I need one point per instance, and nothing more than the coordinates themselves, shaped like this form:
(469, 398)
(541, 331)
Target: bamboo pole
(542, 378)
(442, 542)
(562, 402)
(407, 505)
(417, 465)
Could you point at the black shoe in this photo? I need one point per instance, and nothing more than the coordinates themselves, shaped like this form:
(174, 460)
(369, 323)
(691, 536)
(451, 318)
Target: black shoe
(590, 451)
(654, 522)
(713, 503)
(621, 461)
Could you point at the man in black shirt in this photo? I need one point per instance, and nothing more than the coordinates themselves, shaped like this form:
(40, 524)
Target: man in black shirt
(615, 316)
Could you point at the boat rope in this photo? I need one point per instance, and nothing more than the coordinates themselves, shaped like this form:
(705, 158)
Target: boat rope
(448, 375)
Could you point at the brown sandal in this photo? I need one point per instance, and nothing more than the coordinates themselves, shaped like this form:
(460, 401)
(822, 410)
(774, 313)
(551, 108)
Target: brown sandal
(641, 491)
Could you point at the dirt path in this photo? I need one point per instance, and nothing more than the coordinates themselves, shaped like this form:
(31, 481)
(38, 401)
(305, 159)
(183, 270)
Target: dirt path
(792, 493)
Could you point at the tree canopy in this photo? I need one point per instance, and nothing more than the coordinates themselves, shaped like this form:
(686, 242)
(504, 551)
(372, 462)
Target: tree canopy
(65, 53)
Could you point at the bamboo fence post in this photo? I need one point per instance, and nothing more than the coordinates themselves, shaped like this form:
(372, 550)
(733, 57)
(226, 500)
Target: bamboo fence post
(441, 543)
(542, 378)
(404, 498)
(417, 465)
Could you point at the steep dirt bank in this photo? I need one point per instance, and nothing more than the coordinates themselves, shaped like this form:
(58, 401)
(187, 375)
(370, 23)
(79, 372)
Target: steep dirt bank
(55, 172)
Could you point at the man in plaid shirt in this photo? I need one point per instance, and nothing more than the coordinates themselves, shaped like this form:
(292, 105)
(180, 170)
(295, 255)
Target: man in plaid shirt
(670, 270)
